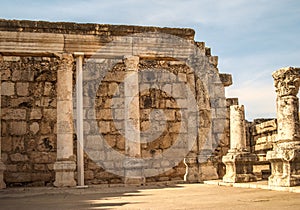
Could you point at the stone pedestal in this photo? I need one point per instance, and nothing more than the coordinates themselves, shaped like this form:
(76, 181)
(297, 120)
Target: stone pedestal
(285, 157)
(239, 167)
(285, 167)
(65, 165)
(238, 161)
(134, 173)
(64, 173)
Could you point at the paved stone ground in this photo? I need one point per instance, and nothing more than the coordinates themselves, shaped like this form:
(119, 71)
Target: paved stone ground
(181, 196)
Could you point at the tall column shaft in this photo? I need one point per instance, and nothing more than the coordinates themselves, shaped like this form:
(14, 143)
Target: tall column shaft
(287, 83)
(133, 167)
(65, 164)
(238, 132)
(2, 166)
(285, 156)
(132, 107)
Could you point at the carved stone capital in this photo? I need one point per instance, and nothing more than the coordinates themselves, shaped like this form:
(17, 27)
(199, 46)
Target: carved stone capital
(287, 81)
(66, 62)
(131, 62)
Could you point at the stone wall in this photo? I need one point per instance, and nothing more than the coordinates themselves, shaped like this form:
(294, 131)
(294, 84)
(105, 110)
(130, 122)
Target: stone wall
(31, 55)
(28, 119)
(262, 136)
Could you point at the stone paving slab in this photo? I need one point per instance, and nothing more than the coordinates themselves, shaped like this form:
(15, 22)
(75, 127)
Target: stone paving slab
(180, 196)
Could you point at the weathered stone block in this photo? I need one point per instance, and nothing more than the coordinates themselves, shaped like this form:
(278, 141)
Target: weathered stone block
(18, 128)
(34, 128)
(265, 127)
(42, 157)
(5, 75)
(88, 175)
(23, 75)
(39, 167)
(11, 58)
(45, 128)
(48, 89)
(22, 88)
(13, 114)
(104, 127)
(18, 157)
(226, 79)
(46, 176)
(18, 177)
(6, 145)
(18, 144)
(11, 167)
(8, 88)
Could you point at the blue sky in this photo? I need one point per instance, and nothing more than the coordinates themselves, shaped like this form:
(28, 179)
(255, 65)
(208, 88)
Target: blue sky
(252, 38)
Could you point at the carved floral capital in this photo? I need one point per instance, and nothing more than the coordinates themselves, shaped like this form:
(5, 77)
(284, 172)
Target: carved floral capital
(66, 61)
(287, 81)
(131, 62)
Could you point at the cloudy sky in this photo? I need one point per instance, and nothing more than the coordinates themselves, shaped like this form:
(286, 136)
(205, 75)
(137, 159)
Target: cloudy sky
(252, 38)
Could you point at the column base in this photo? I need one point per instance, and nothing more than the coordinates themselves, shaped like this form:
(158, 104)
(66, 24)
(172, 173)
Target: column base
(191, 172)
(2, 169)
(64, 173)
(239, 167)
(285, 167)
(134, 172)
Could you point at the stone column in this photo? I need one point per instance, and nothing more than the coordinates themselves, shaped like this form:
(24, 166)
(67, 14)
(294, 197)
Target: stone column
(285, 156)
(238, 131)
(65, 165)
(79, 119)
(133, 165)
(2, 166)
(238, 161)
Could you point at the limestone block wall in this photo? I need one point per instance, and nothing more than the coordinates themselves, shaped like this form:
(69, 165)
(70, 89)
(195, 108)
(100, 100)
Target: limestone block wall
(29, 63)
(28, 119)
(262, 135)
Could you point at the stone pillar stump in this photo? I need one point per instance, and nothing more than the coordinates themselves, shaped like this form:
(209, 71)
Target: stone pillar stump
(238, 161)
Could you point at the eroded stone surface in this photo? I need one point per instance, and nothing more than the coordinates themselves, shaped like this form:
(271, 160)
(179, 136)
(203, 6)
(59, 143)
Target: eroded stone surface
(238, 161)
(285, 156)
(40, 93)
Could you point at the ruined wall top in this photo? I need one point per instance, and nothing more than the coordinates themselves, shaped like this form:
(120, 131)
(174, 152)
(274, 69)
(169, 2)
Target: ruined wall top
(88, 29)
